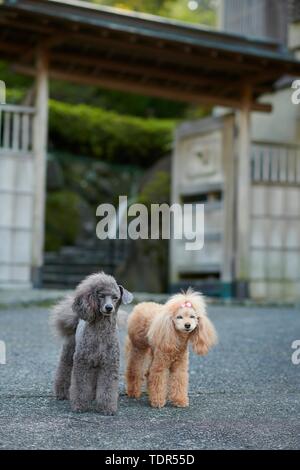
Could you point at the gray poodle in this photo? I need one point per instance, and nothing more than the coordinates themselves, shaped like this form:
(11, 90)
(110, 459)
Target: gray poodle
(88, 369)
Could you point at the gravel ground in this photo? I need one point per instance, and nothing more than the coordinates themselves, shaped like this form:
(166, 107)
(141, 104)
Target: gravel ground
(244, 395)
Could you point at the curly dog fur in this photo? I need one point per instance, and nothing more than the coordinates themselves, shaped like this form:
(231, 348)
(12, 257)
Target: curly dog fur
(88, 369)
(157, 343)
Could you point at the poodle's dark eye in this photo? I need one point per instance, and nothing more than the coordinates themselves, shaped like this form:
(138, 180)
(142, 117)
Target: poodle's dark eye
(115, 297)
(101, 296)
(192, 316)
(179, 317)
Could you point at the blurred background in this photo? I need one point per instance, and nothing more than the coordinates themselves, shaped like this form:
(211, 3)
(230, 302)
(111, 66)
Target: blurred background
(105, 142)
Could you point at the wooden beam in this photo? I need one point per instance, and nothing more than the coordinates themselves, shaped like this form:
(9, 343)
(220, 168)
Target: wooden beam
(262, 77)
(136, 69)
(40, 135)
(46, 43)
(195, 57)
(24, 25)
(107, 41)
(236, 87)
(150, 89)
(11, 48)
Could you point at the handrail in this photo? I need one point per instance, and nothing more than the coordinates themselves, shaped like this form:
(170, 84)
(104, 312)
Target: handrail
(16, 108)
(268, 143)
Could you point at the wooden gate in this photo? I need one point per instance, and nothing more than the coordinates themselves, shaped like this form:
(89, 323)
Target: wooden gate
(202, 173)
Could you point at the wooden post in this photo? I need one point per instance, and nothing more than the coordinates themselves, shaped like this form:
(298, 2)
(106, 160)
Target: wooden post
(228, 140)
(40, 137)
(243, 194)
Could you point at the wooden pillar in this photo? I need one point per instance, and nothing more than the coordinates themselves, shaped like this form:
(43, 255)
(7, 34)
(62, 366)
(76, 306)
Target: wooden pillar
(243, 194)
(228, 141)
(40, 136)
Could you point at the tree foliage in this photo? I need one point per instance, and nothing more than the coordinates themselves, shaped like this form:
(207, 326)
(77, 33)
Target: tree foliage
(108, 136)
(205, 13)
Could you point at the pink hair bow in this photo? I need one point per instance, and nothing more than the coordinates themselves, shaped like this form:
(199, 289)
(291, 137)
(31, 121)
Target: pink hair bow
(186, 304)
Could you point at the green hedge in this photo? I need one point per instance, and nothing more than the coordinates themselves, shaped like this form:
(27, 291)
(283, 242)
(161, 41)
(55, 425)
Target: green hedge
(108, 136)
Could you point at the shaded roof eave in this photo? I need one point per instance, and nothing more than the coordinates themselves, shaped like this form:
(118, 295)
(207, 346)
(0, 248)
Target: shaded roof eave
(182, 32)
(173, 58)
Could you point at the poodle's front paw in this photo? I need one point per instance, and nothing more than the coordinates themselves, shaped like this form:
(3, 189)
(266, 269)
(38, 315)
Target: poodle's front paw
(79, 407)
(61, 396)
(61, 393)
(133, 393)
(180, 402)
(109, 412)
(157, 402)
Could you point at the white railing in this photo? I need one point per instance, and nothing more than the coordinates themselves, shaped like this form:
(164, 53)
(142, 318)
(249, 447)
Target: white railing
(275, 163)
(16, 128)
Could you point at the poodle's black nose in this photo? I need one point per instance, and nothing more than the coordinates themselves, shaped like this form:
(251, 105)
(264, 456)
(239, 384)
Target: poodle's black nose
(187, 326)
(108, 307)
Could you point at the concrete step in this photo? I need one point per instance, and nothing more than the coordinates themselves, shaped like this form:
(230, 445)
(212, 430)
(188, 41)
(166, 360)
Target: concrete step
(68, 267)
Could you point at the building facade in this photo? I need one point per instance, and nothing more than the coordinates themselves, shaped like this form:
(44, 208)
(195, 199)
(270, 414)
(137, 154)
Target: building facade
(205, 169)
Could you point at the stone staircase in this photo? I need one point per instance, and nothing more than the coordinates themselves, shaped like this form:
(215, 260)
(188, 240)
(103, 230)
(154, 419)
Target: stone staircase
(66, 268)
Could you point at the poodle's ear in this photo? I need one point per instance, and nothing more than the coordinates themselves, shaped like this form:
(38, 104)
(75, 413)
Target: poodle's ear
(126, 296)
(204, 336)
(162, 333)
(85, 305)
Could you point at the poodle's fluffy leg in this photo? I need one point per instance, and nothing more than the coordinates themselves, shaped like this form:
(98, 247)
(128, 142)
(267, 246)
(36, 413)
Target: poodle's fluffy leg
(64, 370)
(178, 384)
(83, 385)
(134, 371)
(157, 382)
(107, 392)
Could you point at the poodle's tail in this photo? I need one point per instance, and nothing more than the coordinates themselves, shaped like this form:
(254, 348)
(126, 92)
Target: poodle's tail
(62, 318)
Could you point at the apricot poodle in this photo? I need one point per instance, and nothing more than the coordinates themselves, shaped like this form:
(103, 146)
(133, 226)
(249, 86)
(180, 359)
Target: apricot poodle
(157, 346)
